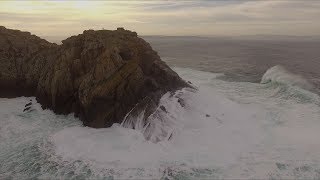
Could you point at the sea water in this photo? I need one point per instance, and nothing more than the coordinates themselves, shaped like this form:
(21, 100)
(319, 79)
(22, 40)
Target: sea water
(226, 129)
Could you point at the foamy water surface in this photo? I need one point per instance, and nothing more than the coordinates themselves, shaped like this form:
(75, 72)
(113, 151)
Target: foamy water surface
(226, 130)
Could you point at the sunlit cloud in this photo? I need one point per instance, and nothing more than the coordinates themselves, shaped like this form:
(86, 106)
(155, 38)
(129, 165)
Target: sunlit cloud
(206, 18)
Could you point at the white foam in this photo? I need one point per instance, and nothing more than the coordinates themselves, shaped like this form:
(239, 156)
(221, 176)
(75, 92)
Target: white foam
(197, 140)
(249, 133)
(280, 75)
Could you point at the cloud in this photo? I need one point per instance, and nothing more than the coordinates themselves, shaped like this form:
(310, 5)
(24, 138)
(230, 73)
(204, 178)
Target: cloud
(230, 17)
(27, 18)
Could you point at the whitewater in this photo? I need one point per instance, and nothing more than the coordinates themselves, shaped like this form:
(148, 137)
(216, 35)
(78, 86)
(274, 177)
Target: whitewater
(223, 130)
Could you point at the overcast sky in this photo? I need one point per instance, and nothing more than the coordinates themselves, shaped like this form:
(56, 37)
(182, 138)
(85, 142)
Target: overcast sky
(204, 18)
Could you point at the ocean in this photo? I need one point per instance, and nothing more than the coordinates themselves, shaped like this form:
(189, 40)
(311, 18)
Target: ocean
(255, 115)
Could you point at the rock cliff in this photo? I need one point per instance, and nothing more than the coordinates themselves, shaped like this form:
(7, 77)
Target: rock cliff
(98, 75)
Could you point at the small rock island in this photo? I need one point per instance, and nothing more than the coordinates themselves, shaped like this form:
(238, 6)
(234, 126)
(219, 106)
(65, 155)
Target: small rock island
(100, 76)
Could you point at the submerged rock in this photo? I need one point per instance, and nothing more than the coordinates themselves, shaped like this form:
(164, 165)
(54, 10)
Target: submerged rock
(98, 75)
(26, 109)
(28, 104)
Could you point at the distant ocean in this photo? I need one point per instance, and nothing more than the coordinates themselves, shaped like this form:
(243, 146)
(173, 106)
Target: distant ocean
(241, 59)
(256, 114)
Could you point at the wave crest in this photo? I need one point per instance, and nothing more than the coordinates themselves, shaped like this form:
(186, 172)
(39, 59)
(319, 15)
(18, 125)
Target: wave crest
(278, 74)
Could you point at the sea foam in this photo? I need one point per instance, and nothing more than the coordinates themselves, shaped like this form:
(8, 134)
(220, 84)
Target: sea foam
(225, 130)
(278, 74)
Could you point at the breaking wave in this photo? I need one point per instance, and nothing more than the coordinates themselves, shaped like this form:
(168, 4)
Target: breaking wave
(289, 86)
(222, 130)
(278, 74)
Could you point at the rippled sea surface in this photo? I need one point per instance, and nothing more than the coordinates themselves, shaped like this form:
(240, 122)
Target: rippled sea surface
(241, 59)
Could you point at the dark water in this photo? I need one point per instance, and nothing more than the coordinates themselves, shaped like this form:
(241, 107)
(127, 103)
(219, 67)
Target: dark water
(240, 59)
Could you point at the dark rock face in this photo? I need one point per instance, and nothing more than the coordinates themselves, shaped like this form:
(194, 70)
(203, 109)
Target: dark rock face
(98, 75)
(21, 60)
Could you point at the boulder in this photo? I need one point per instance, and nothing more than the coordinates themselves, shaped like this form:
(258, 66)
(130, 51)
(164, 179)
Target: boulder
(100, 76)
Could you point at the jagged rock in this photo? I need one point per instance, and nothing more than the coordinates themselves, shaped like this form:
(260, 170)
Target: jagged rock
(98, 75)
(163, 109)
(26, 109)
(28, 104)
(181, 102)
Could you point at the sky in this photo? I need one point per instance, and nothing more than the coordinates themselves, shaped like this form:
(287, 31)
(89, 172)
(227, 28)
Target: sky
(175, 18)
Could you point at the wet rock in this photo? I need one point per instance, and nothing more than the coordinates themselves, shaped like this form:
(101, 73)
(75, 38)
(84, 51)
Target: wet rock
(28, 104)
(163, 109)
(170, 137)
(26, 109)
(181, 102)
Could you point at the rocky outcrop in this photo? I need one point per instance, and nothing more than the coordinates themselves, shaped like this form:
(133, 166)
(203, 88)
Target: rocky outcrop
(22, 57)
(98, 75)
